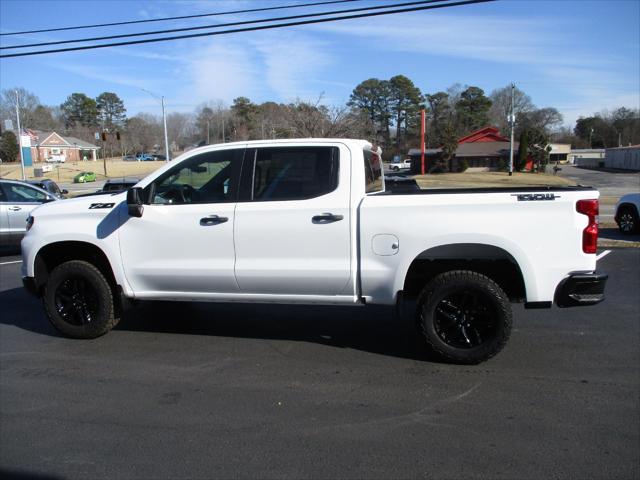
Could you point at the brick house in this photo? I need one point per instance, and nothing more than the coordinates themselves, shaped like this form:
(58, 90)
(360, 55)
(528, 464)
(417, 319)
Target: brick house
(49, 145)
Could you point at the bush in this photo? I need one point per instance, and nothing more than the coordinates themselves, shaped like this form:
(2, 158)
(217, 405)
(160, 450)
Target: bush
(463, 166)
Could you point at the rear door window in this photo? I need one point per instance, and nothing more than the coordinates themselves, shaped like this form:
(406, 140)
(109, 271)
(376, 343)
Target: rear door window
(294, 173)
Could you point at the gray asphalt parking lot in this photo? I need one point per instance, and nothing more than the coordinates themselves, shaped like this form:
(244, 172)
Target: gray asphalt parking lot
(222, 391)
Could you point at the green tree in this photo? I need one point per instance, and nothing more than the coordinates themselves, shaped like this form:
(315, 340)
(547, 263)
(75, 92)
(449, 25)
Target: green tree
(523, 152)
(245, 112)
(79, 110)
(405, 102)
(8, 147)
(537, 142)
(372, 97)
(441, 117)
(111, 111)
(472, 110)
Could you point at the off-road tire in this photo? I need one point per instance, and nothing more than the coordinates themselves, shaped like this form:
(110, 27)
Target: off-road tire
(494, 317)
(98, 303)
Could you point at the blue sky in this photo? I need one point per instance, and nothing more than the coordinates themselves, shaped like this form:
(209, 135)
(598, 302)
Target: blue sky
(578, 56)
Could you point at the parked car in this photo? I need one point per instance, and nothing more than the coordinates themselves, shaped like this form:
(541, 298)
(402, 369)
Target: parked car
(627, 213)
(396, 166)
(144, 157)
(313, 221)
(49, 186)
(17, 200)
(129, 158)
(58, 158)
(159, 157)
(119, 184)
(84, 177)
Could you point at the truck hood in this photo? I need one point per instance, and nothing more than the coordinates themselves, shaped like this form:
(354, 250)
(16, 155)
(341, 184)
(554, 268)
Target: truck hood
(98, 205)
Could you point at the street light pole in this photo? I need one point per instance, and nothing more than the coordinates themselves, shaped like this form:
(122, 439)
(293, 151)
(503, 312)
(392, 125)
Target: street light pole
(19, 135)
(164, 121)
(166, 137)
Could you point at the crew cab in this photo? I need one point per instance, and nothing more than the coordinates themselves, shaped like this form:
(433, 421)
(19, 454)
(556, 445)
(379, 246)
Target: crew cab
(312, 221)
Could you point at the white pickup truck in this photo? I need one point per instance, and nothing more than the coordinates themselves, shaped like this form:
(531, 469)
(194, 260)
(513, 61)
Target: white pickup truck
(311, 221)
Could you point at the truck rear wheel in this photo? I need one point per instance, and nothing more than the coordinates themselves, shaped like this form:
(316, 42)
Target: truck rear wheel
(465, 317)
(79, 300)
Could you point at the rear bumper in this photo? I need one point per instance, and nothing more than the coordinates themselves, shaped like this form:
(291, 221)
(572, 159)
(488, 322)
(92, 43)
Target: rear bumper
(581, 289)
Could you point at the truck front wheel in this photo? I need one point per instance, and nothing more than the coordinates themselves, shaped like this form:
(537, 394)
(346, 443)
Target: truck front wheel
(464, 316)
(79, 300)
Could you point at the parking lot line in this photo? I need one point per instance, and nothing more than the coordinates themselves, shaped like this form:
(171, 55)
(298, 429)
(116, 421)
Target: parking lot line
(11, 263)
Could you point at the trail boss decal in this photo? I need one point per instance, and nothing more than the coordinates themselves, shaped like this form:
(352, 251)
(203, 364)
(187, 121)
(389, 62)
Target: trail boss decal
(94, 206)
(534, 197)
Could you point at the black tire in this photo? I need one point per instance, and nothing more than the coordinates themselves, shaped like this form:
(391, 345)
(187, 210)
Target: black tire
(465, 317)
(79, 300)
(627, 220)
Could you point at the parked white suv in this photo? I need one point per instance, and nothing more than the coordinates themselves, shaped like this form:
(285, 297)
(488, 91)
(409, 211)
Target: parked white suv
(627, 213)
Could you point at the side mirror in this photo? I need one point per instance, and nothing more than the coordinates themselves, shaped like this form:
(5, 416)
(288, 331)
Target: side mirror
(134, 201)
(65, 192)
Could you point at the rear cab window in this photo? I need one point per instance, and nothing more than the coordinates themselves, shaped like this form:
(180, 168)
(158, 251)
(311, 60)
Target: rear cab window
(374, 179)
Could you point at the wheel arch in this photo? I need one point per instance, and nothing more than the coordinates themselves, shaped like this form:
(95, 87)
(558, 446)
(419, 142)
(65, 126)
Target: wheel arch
(490, 260)
(54, 254)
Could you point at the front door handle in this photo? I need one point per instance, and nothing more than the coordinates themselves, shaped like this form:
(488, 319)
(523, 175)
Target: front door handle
(326, 218)
(212, 220)
(15, 209)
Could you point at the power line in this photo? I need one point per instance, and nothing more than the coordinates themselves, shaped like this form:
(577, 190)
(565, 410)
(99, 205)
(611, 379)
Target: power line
(219, 25)
(215, 14)
(249, 29)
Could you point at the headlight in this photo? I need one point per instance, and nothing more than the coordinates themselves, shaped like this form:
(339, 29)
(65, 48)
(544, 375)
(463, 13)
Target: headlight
(30, 221)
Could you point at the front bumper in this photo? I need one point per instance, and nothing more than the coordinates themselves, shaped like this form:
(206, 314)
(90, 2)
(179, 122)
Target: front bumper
(29, 283)
(581, 289)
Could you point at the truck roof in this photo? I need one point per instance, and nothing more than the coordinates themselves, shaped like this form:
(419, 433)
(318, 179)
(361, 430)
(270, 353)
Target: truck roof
(349, 141)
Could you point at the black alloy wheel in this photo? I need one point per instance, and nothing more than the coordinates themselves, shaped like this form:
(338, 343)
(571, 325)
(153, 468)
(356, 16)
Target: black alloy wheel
(628, 221)
(465, 319)
(79, 300)
(464, 316)
(76, 301)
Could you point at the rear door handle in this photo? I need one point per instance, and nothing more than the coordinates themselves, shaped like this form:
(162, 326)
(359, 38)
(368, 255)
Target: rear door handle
(326, 218)
(15, 209)
(212, 220)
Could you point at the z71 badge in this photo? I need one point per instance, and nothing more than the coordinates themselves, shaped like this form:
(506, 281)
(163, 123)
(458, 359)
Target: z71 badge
(94, 206)
(534, 197)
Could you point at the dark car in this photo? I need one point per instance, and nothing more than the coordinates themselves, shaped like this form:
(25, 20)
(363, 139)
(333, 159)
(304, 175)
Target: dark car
(119, 184)
(49, 186)
(129, 158)
(159, 157)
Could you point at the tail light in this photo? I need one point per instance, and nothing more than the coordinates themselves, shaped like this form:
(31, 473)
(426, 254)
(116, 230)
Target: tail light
(590, 233)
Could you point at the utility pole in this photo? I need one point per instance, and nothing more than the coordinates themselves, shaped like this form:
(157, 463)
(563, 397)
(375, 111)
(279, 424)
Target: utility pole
(166, 137)
(164, 121)
(423, 124)
(223, 137)
(512, 120)
(208, 143)
(19, 135)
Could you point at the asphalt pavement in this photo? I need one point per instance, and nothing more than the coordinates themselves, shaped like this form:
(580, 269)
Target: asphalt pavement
(253, 391)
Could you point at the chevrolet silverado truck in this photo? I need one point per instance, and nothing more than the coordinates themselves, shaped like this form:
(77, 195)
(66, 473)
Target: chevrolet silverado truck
(313, 222)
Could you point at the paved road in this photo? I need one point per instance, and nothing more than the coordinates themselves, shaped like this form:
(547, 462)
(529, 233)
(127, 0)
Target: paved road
(610, 184)
(216, 391)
